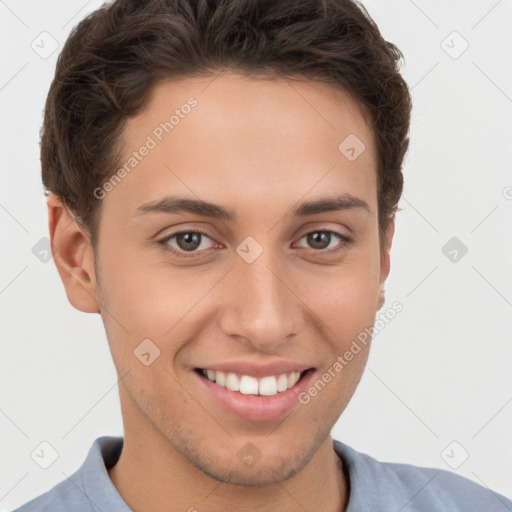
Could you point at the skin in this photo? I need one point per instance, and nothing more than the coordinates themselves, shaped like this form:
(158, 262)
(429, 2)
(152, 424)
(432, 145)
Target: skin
(294, 302)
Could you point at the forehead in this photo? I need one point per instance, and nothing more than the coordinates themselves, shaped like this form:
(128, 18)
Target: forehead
(254, 137)
(233, 100)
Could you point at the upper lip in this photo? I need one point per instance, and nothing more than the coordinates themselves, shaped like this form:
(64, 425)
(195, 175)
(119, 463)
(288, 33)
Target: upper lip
(257, 370)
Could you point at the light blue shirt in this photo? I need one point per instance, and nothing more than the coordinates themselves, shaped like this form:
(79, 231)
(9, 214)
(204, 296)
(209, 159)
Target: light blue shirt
(374, 486)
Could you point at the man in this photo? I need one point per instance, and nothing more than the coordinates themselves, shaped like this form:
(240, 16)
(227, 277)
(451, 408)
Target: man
(223, 179)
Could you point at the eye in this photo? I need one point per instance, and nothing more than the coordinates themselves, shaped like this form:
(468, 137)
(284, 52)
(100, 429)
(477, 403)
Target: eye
(321, 241)
(186, 241)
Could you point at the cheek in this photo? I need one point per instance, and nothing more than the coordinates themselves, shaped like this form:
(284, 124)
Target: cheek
(346, 298)
(149, 299)
(346, 309)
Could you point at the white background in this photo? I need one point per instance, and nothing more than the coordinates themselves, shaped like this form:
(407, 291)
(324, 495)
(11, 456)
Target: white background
(438, 373)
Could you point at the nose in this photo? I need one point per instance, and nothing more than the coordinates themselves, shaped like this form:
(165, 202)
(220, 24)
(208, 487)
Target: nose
(261, 306)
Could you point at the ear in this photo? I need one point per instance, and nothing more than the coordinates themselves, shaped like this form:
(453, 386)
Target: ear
(73, 256)
(385, 260)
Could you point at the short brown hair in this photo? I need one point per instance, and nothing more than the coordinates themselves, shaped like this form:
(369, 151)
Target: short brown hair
(116, 55)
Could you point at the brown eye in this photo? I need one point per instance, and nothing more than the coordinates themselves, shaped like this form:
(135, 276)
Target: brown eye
(186, 242)
(326, 240)
(319, 239)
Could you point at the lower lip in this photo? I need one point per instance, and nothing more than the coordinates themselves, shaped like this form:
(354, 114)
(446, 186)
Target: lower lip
(257, 408)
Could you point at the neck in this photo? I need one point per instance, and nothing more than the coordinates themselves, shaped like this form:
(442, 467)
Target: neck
(151, 475)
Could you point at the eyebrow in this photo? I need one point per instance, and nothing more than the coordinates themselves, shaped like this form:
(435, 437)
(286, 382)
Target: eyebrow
(171, 205)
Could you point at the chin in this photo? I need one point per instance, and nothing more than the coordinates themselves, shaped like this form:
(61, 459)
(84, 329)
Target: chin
(261, 474)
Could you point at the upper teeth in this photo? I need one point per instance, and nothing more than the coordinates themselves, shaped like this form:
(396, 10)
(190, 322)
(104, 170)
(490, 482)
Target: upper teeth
(249, 385)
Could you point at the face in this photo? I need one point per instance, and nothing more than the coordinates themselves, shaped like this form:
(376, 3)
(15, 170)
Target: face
(255, 283)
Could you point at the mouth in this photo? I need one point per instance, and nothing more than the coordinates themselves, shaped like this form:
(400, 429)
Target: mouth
(264, 399)
(250, 385)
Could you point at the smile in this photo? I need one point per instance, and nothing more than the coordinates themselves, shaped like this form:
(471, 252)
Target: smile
(250, 385)
(252, 392)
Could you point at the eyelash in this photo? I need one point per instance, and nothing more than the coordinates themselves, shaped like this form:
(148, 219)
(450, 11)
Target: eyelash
(345, 241)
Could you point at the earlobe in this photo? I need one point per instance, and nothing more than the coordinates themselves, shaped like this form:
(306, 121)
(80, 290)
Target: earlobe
(73, 256)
